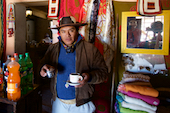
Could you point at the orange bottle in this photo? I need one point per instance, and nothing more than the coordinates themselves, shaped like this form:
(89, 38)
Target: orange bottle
(13, 83)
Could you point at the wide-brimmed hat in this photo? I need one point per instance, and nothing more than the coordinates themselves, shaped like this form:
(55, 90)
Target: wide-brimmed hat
(68, 21)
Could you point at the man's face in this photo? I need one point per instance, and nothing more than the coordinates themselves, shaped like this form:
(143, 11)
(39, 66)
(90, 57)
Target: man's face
(68, 34)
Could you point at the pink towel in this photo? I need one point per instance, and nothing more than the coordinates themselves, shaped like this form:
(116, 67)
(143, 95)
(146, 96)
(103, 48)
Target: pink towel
(150, 100)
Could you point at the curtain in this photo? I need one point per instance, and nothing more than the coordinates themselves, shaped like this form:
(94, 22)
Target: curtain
(3, 30)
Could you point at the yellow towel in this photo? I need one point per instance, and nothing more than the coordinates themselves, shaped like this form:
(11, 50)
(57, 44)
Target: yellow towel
(144, 90)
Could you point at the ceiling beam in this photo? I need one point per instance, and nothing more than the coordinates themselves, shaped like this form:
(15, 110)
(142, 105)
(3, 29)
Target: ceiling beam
(39, 13)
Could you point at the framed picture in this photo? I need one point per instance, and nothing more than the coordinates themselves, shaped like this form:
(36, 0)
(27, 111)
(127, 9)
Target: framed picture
(145, 35)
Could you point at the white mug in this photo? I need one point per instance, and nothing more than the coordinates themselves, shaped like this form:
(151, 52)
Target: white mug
(75, 77)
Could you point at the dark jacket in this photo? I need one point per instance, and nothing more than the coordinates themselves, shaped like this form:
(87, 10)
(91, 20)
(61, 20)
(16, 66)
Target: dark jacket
(88, 60)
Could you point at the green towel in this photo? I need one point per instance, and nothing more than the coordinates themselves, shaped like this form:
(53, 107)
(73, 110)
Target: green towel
(122, 95)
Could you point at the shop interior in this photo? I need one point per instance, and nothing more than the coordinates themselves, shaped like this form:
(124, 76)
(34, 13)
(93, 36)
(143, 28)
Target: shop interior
(139, 66)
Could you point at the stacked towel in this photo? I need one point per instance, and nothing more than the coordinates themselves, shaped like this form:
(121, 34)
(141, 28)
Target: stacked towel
(135, 95)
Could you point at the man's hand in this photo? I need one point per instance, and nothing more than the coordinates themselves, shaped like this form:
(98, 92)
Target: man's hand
(86, 78)
(44, 69)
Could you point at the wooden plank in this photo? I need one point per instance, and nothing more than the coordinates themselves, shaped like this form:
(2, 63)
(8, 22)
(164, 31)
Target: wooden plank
(114, 67)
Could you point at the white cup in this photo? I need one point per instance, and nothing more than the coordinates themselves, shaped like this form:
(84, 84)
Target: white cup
(75, 77)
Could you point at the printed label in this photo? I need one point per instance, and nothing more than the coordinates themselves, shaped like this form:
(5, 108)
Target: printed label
(12, 87)
(30, 70)
(23, 73)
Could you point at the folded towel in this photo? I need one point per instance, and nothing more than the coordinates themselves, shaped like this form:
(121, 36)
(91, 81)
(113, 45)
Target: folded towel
(140, 105)
(139, 102)
(135, 107)
(117, 107)
(128, 110)
(119, 98)
(132, 77)
(149, 91)
(150, 100)
(139, 83)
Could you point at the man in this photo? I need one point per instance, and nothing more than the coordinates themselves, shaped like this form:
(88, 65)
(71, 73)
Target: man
(72, 54)
(134, 34)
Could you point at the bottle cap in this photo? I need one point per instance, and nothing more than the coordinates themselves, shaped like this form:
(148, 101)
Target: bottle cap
(15, 54)
(8, 56)
(20, 55)
(12, 58)
(26, 53)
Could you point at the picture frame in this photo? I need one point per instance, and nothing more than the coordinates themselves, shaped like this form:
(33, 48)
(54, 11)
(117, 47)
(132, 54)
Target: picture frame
(145, 34)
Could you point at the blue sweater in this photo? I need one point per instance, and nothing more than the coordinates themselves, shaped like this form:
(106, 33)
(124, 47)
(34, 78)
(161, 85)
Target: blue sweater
(66, 65)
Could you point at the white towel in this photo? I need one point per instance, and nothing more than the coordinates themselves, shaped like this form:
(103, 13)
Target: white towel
(139, 102)
(136, 107)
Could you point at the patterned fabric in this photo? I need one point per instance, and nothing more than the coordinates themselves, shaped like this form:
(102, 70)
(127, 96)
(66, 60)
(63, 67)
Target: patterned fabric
(85, 13)
(121, 87)
(117, 107)
(130, 77)
(3, 29)
(11, 20)
(72, 8)
(93, 21)
(104, 29)
(105, 23)
(67, 48)
(1, 32)
(53, 8)
(61, 9)
(148, 7)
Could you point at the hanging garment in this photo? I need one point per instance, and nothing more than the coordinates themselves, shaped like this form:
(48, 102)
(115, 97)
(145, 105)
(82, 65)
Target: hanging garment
(72, 8)
(85, 13)
(93, 21)
(105, 31)
(3, 14)
(53, 7)
(11, 20)
(105, 23)
(148, 7)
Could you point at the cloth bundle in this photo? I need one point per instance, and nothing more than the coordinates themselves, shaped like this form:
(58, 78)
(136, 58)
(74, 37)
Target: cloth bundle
(136, 95)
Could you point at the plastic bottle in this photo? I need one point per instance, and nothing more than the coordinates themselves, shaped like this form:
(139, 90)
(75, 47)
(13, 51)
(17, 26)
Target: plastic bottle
(23, 74)
(16, 57)
(6, 72)
(13, 83)
(23, 69)
(29, 65)
(8, 59)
